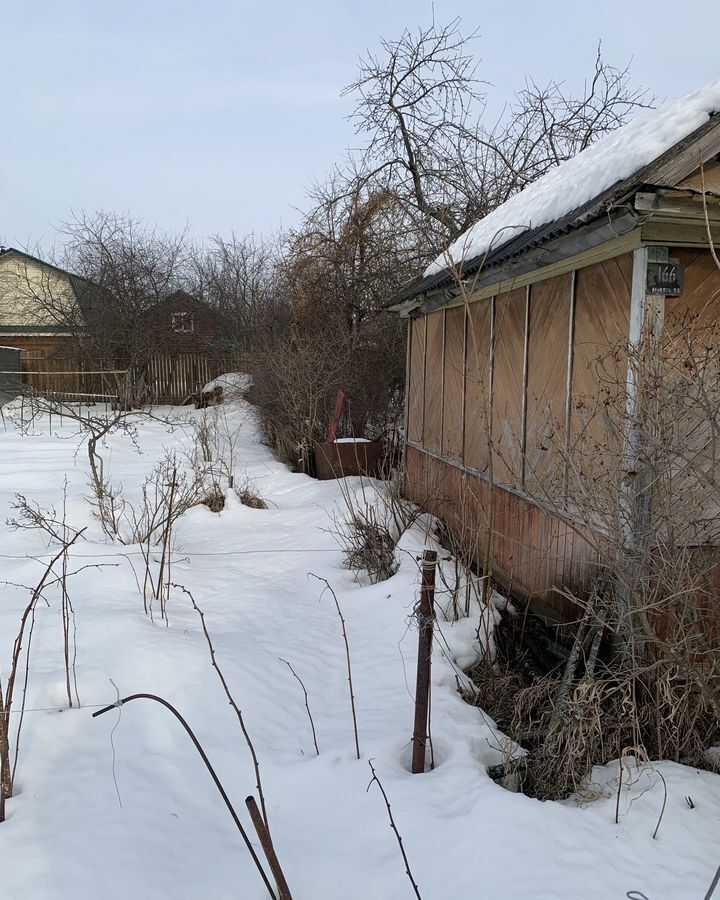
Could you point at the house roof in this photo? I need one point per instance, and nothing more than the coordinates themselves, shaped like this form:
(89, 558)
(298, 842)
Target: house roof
(92, 298)
(183, 298)
(658, 148)
(13, 251)
(75, 280)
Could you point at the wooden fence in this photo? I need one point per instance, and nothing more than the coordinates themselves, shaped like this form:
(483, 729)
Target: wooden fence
(168, 379)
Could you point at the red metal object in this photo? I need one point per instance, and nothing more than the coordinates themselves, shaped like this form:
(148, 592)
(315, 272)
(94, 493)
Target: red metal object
(337, 415)
(338, 460)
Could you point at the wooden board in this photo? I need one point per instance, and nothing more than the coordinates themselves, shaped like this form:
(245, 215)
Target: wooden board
(477, 379)
(686, 421)
(453, 382)
(602, 316)
(432, 432)
(535, 553)
(416, 386)
(508, 387)
(547, 386)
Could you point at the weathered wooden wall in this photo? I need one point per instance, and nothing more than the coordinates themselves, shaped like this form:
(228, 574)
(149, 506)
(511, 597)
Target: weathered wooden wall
(535, 553)
(526, 361)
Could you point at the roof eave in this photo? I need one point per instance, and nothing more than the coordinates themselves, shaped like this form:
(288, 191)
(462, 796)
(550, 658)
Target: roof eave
(666, 170)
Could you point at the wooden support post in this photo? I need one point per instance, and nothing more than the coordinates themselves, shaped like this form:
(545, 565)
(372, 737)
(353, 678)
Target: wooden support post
(425, 617)
(647, 319)
(267, 845)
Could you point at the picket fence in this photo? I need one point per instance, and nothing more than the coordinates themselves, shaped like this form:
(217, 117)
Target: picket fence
(168, 379)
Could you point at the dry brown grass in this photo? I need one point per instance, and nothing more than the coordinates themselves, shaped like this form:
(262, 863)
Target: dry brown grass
(653, 708)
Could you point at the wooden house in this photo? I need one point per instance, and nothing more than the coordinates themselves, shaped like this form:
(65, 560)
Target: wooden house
(44, 310)
(185, 324)
(37, 301)
(537, 316)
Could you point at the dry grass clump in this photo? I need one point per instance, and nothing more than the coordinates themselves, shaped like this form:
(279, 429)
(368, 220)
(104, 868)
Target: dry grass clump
(249, 495)
(254, 501)
(370, 527)
(654, 709)
(215, 501)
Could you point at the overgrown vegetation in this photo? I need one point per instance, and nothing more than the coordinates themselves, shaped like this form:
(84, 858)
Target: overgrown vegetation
(638, 671)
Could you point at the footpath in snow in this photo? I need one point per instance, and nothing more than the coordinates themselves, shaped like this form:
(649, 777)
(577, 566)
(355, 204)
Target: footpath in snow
(121, 807)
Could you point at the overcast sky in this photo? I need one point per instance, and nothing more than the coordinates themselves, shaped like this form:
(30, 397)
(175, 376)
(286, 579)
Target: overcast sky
(218, 114)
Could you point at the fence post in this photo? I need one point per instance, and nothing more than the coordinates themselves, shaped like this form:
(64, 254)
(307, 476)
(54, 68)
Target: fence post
(425, 617)
(267, 845)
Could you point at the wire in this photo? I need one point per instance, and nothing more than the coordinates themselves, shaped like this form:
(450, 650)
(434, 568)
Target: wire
(180, 554)
(118, 703)
(57, 708)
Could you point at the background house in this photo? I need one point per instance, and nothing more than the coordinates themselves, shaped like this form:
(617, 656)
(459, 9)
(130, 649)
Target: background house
(79, 338)
(45, 310)
(532, 353)
(38, 303)
(184, 324)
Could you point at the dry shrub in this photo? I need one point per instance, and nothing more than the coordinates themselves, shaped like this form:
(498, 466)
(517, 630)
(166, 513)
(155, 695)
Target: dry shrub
(247, 498)
(650, 705)
(168, 492)
(370, 526)
(297, 376)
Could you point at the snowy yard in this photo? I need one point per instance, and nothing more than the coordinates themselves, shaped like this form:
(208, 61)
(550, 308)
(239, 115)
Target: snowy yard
(68, 836)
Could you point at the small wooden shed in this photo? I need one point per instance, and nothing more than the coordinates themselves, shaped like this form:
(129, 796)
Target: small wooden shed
(534, 317)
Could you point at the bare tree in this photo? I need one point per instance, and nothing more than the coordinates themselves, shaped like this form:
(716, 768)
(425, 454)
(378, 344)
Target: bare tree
(125, 268)
(240, 278)
(420, 105)
(546, 125)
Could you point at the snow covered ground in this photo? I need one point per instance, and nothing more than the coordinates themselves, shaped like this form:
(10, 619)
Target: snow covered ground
(67, 836)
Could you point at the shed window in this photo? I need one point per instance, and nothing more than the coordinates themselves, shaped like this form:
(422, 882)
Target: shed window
(182, 322)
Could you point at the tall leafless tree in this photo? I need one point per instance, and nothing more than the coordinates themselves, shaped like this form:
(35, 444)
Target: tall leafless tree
(420, 107)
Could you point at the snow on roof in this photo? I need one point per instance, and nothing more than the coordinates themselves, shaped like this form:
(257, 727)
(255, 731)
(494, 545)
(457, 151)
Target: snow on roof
(578, 180)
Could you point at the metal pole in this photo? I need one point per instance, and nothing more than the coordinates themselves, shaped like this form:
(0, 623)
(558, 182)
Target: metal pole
(209, 767)
(267, 845)
(425, 616)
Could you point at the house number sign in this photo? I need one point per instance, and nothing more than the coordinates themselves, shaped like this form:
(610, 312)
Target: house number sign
(665, 278)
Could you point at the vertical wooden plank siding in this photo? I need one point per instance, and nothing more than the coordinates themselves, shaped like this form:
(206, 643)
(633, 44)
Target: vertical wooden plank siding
(602, 320)
(416, 400)
(689, 354)
(432, 433)
(453, 378)
(534, 550)
(547, 384)
(543, 369)
(477, 384)
(507, 392)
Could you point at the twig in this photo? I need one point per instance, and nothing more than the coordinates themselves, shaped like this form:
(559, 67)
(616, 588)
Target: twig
(711, 889)
(307, 705)
(191, 734)
(394, 828)
(662, 811)
(231, 701)
(347, 656)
